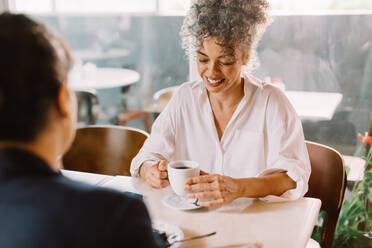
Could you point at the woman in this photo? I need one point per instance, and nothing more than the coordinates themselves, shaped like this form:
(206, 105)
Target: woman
(241, 131)
(39, 207)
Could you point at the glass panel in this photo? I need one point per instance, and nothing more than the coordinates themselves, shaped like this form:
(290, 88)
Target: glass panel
(106, 6)
(174, 6)
(321, 53)
(149, 45)
(85, 6)
(35, 6)
(304, 5)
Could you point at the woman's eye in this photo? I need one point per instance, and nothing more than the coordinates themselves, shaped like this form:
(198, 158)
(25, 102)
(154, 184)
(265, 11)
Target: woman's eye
(227, 63)
(203, 60)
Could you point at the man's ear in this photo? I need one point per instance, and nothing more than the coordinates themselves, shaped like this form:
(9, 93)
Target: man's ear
(63, 100)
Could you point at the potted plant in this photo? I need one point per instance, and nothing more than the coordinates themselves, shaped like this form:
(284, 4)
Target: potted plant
(354, 225)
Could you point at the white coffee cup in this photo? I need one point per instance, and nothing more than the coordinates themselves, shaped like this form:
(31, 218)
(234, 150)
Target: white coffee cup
(179, 171)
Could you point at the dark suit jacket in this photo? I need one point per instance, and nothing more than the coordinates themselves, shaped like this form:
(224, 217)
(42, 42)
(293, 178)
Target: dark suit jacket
(41, 208)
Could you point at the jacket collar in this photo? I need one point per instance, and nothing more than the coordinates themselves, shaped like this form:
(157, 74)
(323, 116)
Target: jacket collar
(17, 162)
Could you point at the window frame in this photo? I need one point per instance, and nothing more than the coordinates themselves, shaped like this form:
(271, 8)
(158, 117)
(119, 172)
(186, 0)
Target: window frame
(158, 10)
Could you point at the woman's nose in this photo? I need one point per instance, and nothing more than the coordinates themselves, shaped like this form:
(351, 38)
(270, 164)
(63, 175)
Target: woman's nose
(213, 68)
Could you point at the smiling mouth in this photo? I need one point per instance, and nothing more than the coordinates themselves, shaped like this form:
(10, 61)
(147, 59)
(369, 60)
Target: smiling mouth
(214, 82)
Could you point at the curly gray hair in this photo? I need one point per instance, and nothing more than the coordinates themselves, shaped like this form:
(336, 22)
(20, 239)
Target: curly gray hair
(240, 23)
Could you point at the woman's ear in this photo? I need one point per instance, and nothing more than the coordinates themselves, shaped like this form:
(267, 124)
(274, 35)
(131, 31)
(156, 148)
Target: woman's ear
(245, 58)
(63, 100)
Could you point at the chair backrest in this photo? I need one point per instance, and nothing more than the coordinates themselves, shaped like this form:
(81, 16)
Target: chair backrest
(327, 183)
(87, 106)
(163, 96)
(105, 150)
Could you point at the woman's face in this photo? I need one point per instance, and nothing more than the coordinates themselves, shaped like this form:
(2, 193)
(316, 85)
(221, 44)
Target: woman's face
(220, 66)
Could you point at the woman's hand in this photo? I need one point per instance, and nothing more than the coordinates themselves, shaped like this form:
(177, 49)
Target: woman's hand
(155, 174)
(218, 189)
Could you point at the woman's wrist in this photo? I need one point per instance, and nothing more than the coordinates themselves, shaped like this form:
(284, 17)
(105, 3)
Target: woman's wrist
(246, 186)
(274, 184)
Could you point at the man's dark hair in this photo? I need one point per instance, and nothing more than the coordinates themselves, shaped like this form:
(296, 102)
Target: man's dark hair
(33, 64)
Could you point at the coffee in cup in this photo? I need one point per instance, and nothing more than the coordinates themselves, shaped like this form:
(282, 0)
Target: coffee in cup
(179, 171)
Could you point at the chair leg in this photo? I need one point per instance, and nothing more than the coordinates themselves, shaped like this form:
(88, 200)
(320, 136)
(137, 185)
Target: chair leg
(146, 122)
(144, 116)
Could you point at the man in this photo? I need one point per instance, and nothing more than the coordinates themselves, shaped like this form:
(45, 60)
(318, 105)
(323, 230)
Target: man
(38, 206)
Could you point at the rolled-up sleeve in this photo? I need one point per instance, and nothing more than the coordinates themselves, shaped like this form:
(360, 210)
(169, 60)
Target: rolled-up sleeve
(285, 145)
(160, 144)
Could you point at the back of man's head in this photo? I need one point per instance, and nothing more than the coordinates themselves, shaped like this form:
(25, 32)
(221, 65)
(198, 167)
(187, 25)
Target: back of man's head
(33, 64)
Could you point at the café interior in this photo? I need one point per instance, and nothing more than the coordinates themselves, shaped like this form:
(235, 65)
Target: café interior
(128, 63)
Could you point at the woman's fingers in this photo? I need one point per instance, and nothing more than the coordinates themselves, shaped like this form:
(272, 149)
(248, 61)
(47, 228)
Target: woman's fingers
(213, 203)
(163, 175)
(206, 195)
(157, 175)
(200, 179)
(162, 168)
(215, 198)
(217, 189)
(202, 187)
(158, 183)
(257, 245)
(163, 183)
(163, 165)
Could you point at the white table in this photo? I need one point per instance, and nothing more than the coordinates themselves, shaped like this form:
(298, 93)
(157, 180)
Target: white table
(94, 179)
(356, 166)
(238, 224)
(90, 54)
(101, 78)
(315, 106)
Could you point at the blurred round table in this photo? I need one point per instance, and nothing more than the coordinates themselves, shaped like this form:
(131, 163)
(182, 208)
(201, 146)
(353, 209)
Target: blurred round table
(103, 78)
(94, 55)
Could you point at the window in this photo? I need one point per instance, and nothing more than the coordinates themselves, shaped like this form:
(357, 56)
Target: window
(316, 52)
(171, 6)
(100, 6)
(316, 5)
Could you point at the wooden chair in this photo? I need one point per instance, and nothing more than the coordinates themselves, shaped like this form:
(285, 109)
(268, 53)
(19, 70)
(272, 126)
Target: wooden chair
(327, 183)
(105, 150)
(124, 117)
(161, 99)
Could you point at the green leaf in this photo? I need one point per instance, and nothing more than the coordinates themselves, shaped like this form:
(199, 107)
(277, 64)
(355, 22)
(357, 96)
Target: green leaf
(368, 175)
(347, 169)
(356, 214)
(359, 235)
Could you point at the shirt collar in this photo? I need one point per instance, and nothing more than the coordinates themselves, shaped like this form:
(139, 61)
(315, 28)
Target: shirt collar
(17, 162)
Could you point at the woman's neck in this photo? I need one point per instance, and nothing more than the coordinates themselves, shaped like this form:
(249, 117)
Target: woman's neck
(227, 100)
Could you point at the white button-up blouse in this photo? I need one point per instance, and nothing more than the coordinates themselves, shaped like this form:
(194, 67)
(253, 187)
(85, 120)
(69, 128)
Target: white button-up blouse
(263, 136)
